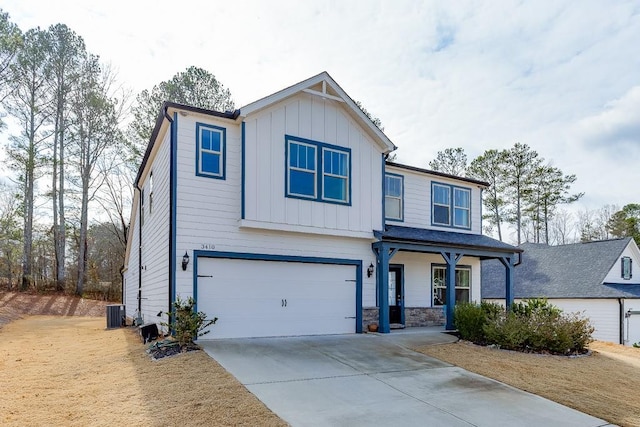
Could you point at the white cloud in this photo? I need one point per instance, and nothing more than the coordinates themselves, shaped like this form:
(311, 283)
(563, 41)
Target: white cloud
(556, 75)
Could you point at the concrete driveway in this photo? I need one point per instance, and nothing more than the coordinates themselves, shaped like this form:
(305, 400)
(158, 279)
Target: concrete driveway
(375, 379)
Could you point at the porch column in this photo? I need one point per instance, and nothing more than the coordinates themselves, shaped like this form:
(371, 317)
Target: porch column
(509, 266)
(451, 258)
(383, 289)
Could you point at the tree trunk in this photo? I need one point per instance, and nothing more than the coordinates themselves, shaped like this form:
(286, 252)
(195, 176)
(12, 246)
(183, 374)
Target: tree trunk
(61, 243)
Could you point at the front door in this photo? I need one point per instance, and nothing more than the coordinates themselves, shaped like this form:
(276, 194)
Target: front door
(396, 303)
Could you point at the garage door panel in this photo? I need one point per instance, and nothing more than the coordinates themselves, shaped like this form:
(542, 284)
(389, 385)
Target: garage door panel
(272, 298)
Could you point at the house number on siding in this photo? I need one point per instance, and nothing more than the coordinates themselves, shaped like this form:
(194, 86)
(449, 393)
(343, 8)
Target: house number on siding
(208, 246)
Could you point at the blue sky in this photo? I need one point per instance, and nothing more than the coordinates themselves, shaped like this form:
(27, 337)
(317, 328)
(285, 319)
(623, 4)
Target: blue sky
(560, 76)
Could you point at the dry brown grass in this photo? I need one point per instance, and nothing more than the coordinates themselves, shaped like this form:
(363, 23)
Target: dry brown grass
(71, 371)
(604, 384)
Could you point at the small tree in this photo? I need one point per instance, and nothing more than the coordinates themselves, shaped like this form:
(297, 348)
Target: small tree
(186, 323)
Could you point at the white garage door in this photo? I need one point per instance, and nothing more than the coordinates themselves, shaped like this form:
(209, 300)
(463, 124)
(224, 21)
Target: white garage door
(272, 298)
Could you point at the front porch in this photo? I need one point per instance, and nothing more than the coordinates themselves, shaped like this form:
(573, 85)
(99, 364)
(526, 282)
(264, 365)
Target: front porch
(451, 247)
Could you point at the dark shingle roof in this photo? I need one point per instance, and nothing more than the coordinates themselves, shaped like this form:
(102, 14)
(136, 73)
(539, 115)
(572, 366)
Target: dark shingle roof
(565, 271)
(449, 238)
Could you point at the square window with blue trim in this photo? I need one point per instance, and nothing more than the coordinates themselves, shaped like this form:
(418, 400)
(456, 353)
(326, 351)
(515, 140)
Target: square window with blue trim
(450, 206)
(317, 171)
(210, 153)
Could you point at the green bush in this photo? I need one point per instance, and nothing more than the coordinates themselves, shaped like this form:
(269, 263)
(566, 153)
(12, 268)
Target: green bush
(470, 319)
(186, 324)
(533, 325)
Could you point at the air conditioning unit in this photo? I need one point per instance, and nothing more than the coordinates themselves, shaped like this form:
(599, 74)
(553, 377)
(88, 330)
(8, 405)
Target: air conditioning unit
(115, 316)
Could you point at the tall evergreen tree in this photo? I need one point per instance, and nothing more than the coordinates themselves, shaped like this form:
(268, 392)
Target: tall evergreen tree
(490, 167)
(521, 162)
(95, 127)
(626, 222)
(194, 86)
(29, 103)
(10, 43)
(66, 54)
(452, 161)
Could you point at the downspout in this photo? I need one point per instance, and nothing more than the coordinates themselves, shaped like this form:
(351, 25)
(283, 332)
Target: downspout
(171, 213)
(139, 251)
(622, 317)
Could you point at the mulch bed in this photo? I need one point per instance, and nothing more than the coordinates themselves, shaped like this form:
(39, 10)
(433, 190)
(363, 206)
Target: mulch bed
(166, 348)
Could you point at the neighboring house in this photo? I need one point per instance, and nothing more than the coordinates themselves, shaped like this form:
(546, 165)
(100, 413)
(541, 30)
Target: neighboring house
(283, 218)
(594, 278)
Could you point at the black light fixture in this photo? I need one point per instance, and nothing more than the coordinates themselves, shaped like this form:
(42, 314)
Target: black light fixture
(185, 261)
(370, 270)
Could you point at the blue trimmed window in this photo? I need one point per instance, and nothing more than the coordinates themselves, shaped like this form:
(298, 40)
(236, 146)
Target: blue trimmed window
(394, 197)
(626, 268)
(450, 206)
(439, 284)
(211, 151)
(302, 170)
(317, 171)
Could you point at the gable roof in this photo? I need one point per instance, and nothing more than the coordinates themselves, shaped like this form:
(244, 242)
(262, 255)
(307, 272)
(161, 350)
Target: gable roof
(565, 271)
(323, 85)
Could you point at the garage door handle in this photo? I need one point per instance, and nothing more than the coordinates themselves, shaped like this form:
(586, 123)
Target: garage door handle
(204, 275)
(350, 317)
(283, 303)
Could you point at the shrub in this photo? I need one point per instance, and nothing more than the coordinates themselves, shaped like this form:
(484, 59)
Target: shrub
(470, 319)
(533, 325)
(187, 324)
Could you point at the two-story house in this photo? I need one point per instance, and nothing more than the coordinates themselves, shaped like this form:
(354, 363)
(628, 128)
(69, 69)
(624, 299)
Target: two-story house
(283, 218)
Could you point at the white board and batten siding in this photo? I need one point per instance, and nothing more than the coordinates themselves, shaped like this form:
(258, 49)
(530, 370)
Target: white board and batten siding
(254, 298)
(417, 200)
(320, 120)
(209, 210)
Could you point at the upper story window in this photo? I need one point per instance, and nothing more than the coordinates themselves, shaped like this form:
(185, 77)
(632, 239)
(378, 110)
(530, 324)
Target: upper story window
(394, 196)
(626, 268)
(211, 151)
(317, 171)
(451, 206)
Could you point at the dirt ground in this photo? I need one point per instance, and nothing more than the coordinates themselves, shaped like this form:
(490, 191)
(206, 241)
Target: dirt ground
(604, 384)
(71, 371)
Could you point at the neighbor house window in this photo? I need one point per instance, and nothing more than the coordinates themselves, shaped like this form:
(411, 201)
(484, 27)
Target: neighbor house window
(317, 171)
(393, 196)
(439, 284)
(210, 153)
(450, 206)
(626, 265)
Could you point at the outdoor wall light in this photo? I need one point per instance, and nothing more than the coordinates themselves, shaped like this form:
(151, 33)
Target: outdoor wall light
(370, 270)
(185, 261)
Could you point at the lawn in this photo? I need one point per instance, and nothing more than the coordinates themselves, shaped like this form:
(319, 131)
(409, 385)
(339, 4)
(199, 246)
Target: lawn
(604, 384)
(71, 371)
